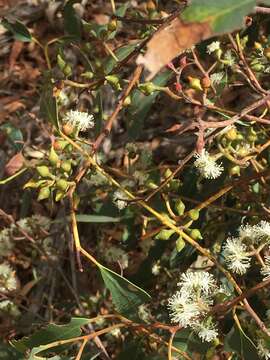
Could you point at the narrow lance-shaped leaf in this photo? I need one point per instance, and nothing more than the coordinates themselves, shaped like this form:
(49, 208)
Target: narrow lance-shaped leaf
(50, 334)
(126, 296)
(48, 105)
(18, 29)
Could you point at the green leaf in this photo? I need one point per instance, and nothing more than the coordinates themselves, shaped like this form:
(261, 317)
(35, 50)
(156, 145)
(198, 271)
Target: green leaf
(220, 15)
(72, 22)
(237, 341)
(126, 296)
(121, 54)
(48, 105)
(96, 218)
(18, 29)
(51, 333)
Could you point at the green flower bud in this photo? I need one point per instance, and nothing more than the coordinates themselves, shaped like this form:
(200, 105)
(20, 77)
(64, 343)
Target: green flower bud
(112, 26)
(44, 193)
(195, 234)
(175, 185)
(53, 157)
(127, 101)
(167, 173)
(147, 88)
(88, 75)
(60, 144)
(112, 79)
(194, 214)
(235, 170)
(256, 66)
(179, 207)
(164, 234)
(44, 171)
(59, 195)
(180, 244)
(66, 166)
(195, 83)
(62, 184)
(34, 184)
(67, 70)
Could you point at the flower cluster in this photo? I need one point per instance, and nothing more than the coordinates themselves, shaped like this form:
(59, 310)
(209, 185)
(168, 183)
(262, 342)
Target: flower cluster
(120, 199)
(190, 305)
(8, 281)
(237, 251)
(214, 46)
(81, 120)
(207, 166)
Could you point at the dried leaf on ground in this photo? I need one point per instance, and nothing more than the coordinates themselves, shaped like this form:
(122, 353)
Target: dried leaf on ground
(14, 164)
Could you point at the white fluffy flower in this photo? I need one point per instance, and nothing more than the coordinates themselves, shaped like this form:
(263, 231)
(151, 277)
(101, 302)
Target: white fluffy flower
(215, 45)
(114, 253)
(262, 230)
(265, 271)
(156, 269)
(6, 242)
(255, 233)
(81, 120)
(120, 199)
(236, 256)
(246, 232)
(207, 165)
(8, 281)
(198, 282)
(217, 77)
(206, 330)
(183, 309)
(263, 352)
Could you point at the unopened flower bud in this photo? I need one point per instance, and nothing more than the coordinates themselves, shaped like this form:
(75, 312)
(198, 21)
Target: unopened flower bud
(194, 214)
(164, 234)
(147, 88)
(44, 171)
(53, 157)
(44, 193)
(196, 234)
(180, 244)
(235, 170)
(179, 207)
(68, 129)
(62, 184)
(195, 83)
(66, 166)
(112, 26)
(127, 101)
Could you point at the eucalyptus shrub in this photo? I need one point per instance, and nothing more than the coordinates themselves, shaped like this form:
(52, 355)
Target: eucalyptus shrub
(181, 239)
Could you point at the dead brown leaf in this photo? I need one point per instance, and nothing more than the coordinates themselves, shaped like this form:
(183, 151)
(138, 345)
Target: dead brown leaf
(14, 164)
(15, 52)
(168, 43)
(14, 106)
